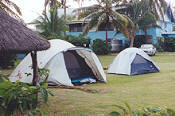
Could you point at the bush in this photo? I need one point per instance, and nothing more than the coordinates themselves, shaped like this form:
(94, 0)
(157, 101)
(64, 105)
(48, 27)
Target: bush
(159, 48)
(7, 60)
(100, 48)
(139, 40)
(21, 99)
(143, 111)
(169, 44)
(78, 40)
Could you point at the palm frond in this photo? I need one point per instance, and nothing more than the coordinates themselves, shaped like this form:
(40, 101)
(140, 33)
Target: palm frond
(11, 4)
(7, 5)
(102, 19)
(51, 25)
(93, 14)
(87, 9)
(83, 15)
(119, 17)
(121, 28)
(158, 7)
(92, 23)
(130, 24)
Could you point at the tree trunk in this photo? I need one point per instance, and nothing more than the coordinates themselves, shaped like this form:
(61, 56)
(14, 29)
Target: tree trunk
(132, 38)
(35, 68)
(146, 34)
(106, 29)
(64, 15)
(132, 41)
(53, 2)
(106, 38)
(64, 9)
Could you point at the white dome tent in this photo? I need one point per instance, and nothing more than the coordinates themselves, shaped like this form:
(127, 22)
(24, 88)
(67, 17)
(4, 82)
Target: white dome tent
(68, 65)
(132, 61)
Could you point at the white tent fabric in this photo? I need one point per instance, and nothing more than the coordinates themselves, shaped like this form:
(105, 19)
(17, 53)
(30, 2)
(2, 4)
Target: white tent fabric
(53, 59)
(122, 63)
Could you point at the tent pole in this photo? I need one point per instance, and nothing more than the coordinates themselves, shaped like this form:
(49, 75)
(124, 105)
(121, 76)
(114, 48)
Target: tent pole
(35, 68)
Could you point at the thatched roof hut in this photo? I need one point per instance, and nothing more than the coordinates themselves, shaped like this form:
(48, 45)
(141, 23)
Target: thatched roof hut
(17, 38)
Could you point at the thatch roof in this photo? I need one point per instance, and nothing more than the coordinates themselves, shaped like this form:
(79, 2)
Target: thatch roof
(17, 38)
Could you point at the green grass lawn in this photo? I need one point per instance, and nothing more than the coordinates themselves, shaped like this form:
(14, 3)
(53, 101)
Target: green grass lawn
(156, 89)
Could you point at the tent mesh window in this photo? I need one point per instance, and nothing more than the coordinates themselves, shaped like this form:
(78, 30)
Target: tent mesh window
(77, 68)
(141, 65)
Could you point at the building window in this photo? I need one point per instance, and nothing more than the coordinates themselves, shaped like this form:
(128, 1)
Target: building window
(173, 27)
(103, 27)
(77, 27)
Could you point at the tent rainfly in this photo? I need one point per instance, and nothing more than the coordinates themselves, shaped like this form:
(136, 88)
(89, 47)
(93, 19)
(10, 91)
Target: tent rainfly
(132, 61)
(17, 38)
(68, 65)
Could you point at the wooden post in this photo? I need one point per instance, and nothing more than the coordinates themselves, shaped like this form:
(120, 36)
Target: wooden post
(35, 68)
(35, 71)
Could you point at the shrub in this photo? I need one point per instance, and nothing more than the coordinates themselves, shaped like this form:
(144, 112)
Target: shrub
(158, 48)
(7, 60)
(144, 111)
(169, 44)
(21, 99)
(139, 40)
(100, 48)
(78, 40)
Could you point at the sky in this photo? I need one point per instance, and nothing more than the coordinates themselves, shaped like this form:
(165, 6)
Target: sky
(31, 9)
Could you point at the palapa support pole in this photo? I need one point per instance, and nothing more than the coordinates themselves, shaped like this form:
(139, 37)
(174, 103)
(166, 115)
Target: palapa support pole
(35, 71)
(35, 68)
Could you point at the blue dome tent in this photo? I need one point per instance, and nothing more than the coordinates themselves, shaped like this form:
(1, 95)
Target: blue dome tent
(133, 61)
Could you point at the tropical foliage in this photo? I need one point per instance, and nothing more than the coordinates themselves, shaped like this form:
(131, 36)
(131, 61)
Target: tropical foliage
(141, 15)
(8, 7)
(78, 40)
(7, 60)
(169, 44)
(100, 48)
(148, 20)
(51, 25)
(60, 4)
(21, 99)
(158, 7)
(103, 13)
(51, 3)
(143, 111)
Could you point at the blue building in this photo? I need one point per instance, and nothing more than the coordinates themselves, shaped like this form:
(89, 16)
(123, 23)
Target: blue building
(76, 28)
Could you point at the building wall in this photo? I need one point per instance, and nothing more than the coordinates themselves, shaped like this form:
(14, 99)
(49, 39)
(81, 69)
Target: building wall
(102, 35)
(165, 27)
(155, 32)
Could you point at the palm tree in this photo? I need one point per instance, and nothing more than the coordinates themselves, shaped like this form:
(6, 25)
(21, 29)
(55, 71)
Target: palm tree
(103, 13)
(61, 4)
(51, 3)
(148, 20)
(8, 5)
(51, 25)
(158, 7)
(141, 15)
